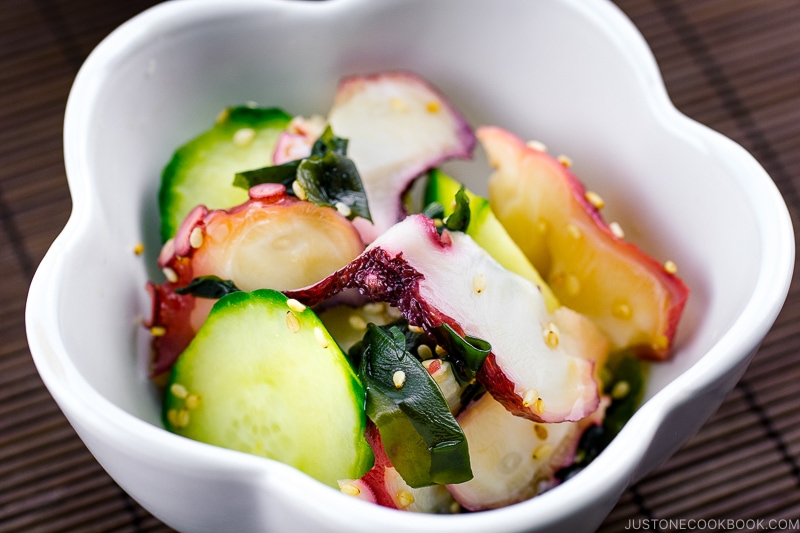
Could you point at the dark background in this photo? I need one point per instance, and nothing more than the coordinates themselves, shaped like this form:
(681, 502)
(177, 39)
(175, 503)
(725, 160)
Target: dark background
(731, 64)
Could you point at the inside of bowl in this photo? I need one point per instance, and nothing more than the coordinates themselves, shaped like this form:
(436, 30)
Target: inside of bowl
(557, 72)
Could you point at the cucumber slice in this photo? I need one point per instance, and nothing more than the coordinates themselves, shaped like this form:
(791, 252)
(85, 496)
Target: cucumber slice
(263, 378)
(202, 170)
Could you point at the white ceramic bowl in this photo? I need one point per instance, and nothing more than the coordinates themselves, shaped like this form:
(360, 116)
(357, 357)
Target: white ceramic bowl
(572, 73)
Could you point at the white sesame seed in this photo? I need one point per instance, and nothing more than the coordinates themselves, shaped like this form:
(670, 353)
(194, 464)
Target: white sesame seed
(294, 305)
(594, 199)
(398, 105)
(178, 390)
(440, 351)
(529, 397)
(621, 310)
(574, 231)
(542, 451)
(138, 248)
(196, 237)
(223, 115)
(319, 335)
(357, 322)
(550, 333)
(539, 406)
(158, 331)
(292, 322)
(424, 351)
(573, 284)
(432, 106)
(565, 161)
(343, 209)
(375, 307)
(414, 329)
(479, 283)
(536, 145)
(244, 136)
(192, 401)
(617, 230)
(170, 274)
(349, 488)
(620, 390)
(183, 418)
(670, 267)
(404, 498)
(398, 378)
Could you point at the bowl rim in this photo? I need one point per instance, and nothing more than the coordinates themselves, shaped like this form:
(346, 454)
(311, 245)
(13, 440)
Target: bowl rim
(86, 407)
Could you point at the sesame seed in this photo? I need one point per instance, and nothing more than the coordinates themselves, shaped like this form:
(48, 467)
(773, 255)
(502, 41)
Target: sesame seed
(343, 209)
(244, 136)
(319, 335)
(357, 322)
(455, 507)
(192, 401)
(536, 145)
(621, 310)
(616, 229)
(404, 499)
(178, 390)
(223, 115)
(529, 397)
(414, 329)
(349, 488)
(574, 231)
(620, 390)
(594, 199)
(424, 351)
(292, 322)
(479, 283)
(661, 342)
(178, 418)
(158, 331)
(295, 306)
(541, 431)
(573, 284)
(541, 227)
(539, 407)
(432, 107)
(374, 307)
(670, 267)
(298, 190)
(398, 378)
(542, 451)
(196, 237)
(550, 333)
(398, 105)
(393, 312)
(565, 161)
(170, 274)
(440, 351)
(138, 248)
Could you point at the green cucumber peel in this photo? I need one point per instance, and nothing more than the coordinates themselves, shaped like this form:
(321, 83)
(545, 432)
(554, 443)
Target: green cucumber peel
(419, 434)
(199, 171)
(458, 219)
(327, 177)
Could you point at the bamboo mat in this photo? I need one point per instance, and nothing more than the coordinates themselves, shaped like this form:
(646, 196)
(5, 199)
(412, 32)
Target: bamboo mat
(731, 64)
